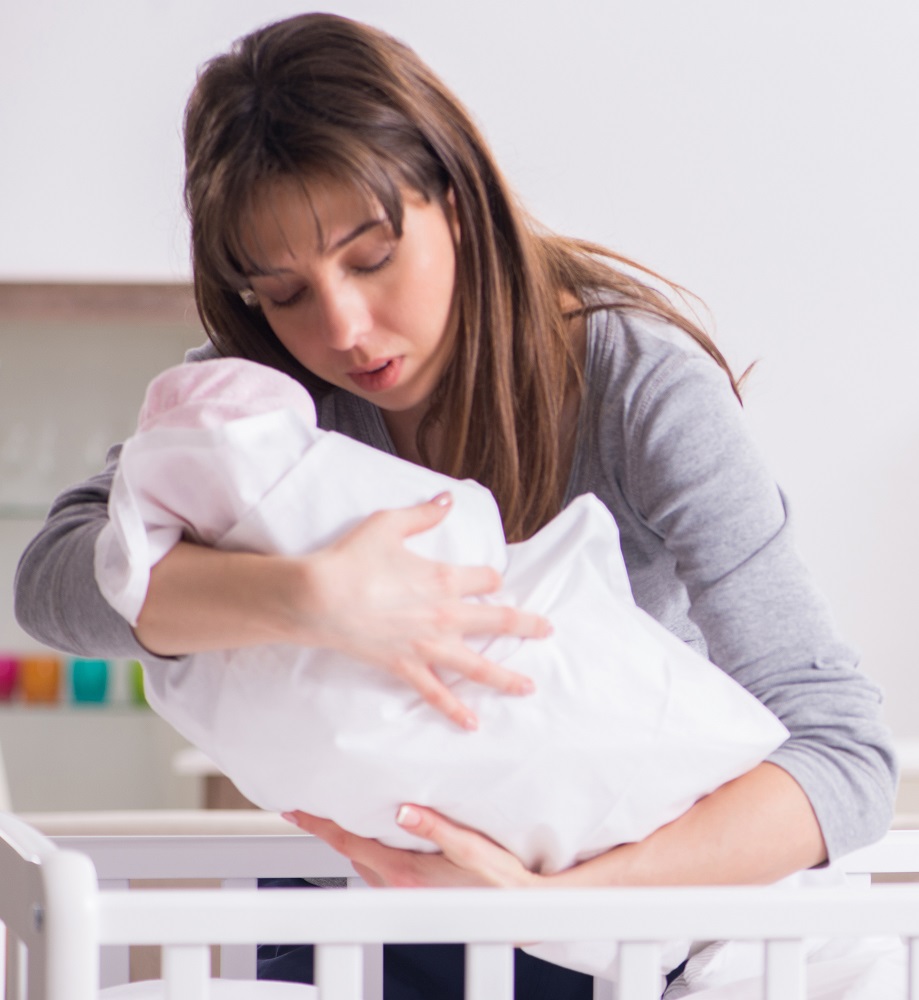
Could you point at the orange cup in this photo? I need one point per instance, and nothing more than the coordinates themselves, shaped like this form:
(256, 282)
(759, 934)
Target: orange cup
(40, 679)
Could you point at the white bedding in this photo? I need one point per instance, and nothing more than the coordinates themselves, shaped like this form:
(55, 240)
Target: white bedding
(628, 726)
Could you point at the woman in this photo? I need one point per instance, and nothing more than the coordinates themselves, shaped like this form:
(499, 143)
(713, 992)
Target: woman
(350, 228)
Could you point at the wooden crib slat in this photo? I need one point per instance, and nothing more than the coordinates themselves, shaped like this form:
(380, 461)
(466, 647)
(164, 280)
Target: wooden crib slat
(238, 961)
(785, 970)
(15, 967)
(186, 971)
(373, 971)
(912, 990)
(340, 971)
(604, 989)
(36, 974)
(640, 970)
(114, 960)
(6, 973)
(489, 972)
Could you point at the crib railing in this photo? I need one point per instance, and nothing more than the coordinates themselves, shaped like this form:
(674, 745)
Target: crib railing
(490, 921)
(59, 918)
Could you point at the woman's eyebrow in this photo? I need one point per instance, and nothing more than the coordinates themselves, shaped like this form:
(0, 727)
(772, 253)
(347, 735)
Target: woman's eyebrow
(355, 233)
(266, 272)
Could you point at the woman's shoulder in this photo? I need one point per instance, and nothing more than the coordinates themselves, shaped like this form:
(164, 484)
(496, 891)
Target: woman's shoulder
(204, 352)
(653, 402)
(636, 361)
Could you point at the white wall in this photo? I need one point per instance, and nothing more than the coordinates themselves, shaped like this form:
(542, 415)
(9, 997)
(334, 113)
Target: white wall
(763, 155)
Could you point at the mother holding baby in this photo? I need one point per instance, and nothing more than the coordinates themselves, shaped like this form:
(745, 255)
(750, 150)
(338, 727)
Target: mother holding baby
(350, 228)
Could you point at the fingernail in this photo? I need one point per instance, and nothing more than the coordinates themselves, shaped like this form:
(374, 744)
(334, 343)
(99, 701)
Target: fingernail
(407, 816)
(526, 686)
(469, 722)
(443, 500)
(289, 817)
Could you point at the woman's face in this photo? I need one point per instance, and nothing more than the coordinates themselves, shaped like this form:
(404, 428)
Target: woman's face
(357, 306)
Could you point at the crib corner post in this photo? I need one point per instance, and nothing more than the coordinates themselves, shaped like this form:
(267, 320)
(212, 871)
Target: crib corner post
(489, 972)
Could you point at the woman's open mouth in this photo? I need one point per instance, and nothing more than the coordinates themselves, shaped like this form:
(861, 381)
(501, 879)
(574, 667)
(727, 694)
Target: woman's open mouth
(378, 376)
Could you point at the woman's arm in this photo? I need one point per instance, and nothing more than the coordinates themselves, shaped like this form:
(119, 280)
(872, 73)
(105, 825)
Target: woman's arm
(56, 597)
(755, 829)
(701, 486)
(365, 595)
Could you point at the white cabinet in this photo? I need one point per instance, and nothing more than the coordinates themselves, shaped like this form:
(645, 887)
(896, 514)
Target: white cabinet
(74, 363)
(63, 757)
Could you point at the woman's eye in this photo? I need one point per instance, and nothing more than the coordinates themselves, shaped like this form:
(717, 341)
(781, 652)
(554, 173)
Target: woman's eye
(377, 266)
(291, 300)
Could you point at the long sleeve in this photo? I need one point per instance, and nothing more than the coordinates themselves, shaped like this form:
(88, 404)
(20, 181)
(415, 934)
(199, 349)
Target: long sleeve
(707, 539)
(57, 600)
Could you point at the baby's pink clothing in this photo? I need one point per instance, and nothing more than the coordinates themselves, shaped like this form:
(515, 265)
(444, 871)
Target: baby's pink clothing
(210, 395)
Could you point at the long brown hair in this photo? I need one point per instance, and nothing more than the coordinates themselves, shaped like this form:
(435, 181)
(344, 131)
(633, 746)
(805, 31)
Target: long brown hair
(320, 95)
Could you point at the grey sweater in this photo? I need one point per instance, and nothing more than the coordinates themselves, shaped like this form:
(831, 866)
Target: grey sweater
(705, 536)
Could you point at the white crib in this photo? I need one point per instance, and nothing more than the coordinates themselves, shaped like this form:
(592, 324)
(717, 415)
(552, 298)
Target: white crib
(60, 911)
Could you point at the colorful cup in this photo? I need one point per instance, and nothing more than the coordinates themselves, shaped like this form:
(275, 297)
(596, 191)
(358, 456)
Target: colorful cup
(136, 682)
(9, 674)
(89, 680)
(40, 679)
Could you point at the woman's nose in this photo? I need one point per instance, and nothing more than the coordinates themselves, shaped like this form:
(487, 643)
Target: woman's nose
(346, 318)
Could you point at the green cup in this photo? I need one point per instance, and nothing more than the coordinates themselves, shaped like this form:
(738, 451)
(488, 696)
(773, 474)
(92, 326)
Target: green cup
(136, 682)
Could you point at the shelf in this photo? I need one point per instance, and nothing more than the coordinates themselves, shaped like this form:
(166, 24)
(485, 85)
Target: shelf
(88, 757)
(72, 708)
(114, 302)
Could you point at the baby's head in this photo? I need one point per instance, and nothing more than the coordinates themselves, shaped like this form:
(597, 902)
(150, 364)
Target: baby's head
(210, 393)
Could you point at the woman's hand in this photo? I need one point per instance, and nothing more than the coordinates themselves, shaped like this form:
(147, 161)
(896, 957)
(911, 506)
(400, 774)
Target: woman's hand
(378, 602)
(467, 858)
(757, 828)
(365, 595)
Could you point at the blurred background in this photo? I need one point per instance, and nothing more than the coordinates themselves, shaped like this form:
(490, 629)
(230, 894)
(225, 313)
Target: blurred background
(763, 156)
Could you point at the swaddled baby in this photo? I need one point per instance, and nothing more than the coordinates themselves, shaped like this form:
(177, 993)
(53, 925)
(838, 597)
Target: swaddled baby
(628, 726)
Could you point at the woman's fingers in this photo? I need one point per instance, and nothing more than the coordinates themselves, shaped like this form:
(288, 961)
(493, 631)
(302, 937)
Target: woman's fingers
(376, 864)
(465, 858)
(379, 602)
(458, 658)
(421, 517)
(371, 877)
(439, 695)
(482, 860)
(499, 619)
(390, 527)
(335, 836)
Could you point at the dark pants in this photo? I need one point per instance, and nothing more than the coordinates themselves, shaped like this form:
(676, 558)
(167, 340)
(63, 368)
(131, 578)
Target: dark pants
(425, 971)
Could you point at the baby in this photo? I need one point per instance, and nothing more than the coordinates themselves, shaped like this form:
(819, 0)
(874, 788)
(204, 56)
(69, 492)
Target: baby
(628, 726)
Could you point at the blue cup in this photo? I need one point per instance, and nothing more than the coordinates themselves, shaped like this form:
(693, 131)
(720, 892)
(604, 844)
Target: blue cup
(89, 680)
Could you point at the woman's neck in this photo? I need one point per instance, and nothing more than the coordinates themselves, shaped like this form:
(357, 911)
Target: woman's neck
(403, 424)
(403, 431)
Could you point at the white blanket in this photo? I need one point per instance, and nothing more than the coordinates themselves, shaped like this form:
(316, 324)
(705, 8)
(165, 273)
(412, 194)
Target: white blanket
(628, 726)
(835, 968)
